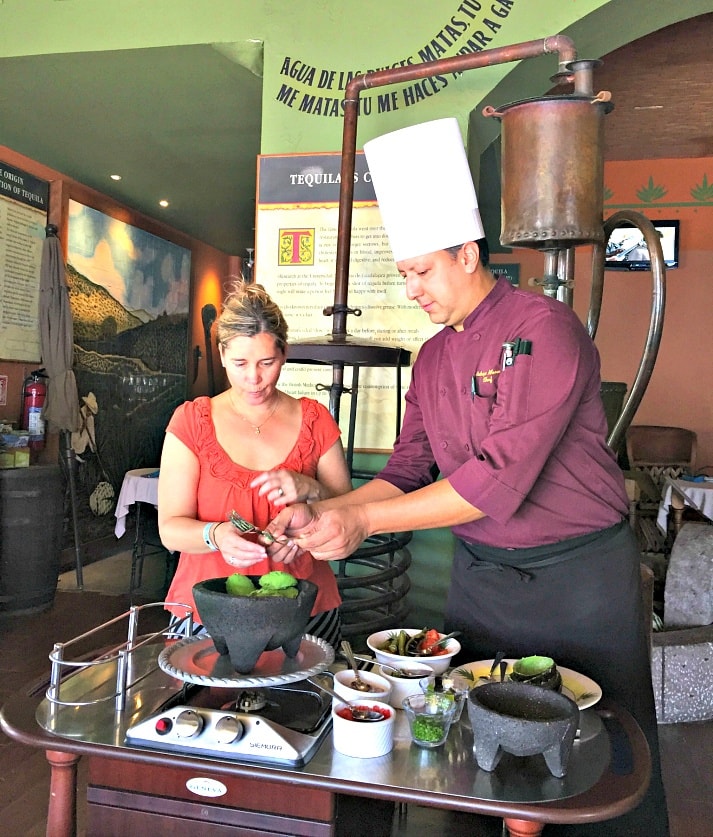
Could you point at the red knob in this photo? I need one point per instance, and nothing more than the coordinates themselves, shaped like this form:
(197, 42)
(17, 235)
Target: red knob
(163, 725)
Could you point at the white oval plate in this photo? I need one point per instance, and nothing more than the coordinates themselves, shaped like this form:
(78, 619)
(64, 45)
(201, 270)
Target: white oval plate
(583, 690)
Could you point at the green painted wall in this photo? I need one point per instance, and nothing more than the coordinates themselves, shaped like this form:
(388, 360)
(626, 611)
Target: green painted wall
(339, 36)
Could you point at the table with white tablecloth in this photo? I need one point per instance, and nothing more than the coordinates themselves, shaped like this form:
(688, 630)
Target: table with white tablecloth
(139, 486)
(677, 494)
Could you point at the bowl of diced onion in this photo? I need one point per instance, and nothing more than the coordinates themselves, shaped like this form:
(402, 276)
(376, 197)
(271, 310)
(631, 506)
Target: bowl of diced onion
(439, 660)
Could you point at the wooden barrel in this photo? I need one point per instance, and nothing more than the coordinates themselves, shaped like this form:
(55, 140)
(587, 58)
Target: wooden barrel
(31, 519)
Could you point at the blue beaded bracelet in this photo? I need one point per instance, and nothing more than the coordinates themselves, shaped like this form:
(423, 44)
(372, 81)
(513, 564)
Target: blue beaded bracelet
(206, 537)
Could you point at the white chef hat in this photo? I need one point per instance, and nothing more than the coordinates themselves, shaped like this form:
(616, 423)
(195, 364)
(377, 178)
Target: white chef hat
(424, 188)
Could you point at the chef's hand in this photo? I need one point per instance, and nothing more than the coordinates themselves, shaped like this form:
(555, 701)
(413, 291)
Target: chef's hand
(327, 534)
(283, 487)
(237, 550)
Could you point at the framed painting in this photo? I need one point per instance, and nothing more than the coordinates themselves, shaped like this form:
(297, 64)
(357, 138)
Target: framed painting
(129, 292)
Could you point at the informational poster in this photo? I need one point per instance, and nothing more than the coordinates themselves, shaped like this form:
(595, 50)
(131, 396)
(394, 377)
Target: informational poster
(295, 259)
(511, 272)
(23, 217)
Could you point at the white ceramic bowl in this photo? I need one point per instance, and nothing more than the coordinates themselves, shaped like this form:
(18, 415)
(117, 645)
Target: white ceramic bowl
(439, 664)
(381, 687)
(401, 687)
(363, 739)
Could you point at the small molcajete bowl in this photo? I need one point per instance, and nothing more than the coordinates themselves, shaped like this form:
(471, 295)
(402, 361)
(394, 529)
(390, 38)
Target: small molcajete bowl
(522, 720)
(242, 627)
(537, 671)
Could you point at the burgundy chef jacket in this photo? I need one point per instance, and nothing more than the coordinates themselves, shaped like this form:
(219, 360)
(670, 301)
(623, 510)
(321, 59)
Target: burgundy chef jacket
(525, 443)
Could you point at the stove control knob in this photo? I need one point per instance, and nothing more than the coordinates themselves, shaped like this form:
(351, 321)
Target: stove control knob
(164, 726)
(188, 724)
(228, 729)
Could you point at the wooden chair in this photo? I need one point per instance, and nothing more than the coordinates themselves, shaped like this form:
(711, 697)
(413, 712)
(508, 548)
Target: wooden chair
(655, 452)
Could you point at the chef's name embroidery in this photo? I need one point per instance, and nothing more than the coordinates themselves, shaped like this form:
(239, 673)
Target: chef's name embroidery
(487, 377)
(478, 379)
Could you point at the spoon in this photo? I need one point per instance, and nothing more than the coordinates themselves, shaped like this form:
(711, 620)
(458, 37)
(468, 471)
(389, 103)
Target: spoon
(371, 660)
(357, 683)
(415, 673)
(498, 661)
(358, 713)
(407, 673)
(426, 652)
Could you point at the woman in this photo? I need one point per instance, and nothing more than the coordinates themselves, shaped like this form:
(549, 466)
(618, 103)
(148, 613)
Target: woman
(252, 449)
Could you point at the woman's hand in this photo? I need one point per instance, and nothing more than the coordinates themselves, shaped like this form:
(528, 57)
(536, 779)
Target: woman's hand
(237, 551)
(282, 487)
(283, 551)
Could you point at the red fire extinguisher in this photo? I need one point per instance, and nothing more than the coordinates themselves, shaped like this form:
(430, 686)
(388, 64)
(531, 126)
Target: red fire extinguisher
(34, 393)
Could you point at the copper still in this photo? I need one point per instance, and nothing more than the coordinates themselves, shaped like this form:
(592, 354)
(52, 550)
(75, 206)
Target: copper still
(552, 174)
(552, 187)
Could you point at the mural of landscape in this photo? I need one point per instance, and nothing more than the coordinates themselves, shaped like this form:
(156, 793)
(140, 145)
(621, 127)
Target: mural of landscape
(129, 294)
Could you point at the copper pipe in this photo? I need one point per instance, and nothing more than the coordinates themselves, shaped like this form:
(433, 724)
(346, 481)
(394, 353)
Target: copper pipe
(582, 76)
(565, 271)
(560, 44)
(550, 280)
(658, 305)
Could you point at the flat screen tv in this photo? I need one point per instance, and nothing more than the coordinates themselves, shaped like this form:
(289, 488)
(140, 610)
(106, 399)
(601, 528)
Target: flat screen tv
(627, 250)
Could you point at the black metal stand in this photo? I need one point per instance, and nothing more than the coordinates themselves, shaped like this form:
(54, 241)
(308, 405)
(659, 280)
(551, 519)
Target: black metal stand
(67, 451)
(374, 595)
(144, 546)
(339, 353)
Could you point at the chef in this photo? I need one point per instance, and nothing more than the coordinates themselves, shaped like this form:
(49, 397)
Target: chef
(504, 404)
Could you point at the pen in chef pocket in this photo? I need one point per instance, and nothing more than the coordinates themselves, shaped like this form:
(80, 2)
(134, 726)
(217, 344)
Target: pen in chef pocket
(508, 354)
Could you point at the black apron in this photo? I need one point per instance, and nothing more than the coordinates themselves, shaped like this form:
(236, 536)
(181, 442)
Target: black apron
(578, 601)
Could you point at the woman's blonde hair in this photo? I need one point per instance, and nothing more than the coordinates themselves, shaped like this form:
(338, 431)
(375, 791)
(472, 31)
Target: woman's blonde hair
(249, 310)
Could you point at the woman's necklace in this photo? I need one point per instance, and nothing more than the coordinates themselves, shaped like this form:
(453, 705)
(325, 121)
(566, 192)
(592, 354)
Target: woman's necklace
(255, 427)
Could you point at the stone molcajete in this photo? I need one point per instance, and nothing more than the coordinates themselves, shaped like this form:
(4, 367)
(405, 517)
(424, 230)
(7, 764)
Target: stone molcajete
(522, 720)
(537, 671)
(242, 627)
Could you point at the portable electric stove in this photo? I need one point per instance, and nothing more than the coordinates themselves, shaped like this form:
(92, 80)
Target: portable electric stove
(273, 715)
(279, 724)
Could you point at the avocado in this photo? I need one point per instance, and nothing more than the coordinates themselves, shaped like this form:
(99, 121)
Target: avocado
(239, 585)
(277, 580)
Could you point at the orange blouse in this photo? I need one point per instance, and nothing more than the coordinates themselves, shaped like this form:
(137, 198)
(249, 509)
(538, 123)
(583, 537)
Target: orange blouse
(224, 485)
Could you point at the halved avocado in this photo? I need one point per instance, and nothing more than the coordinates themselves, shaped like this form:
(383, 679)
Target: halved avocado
(537, 671)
